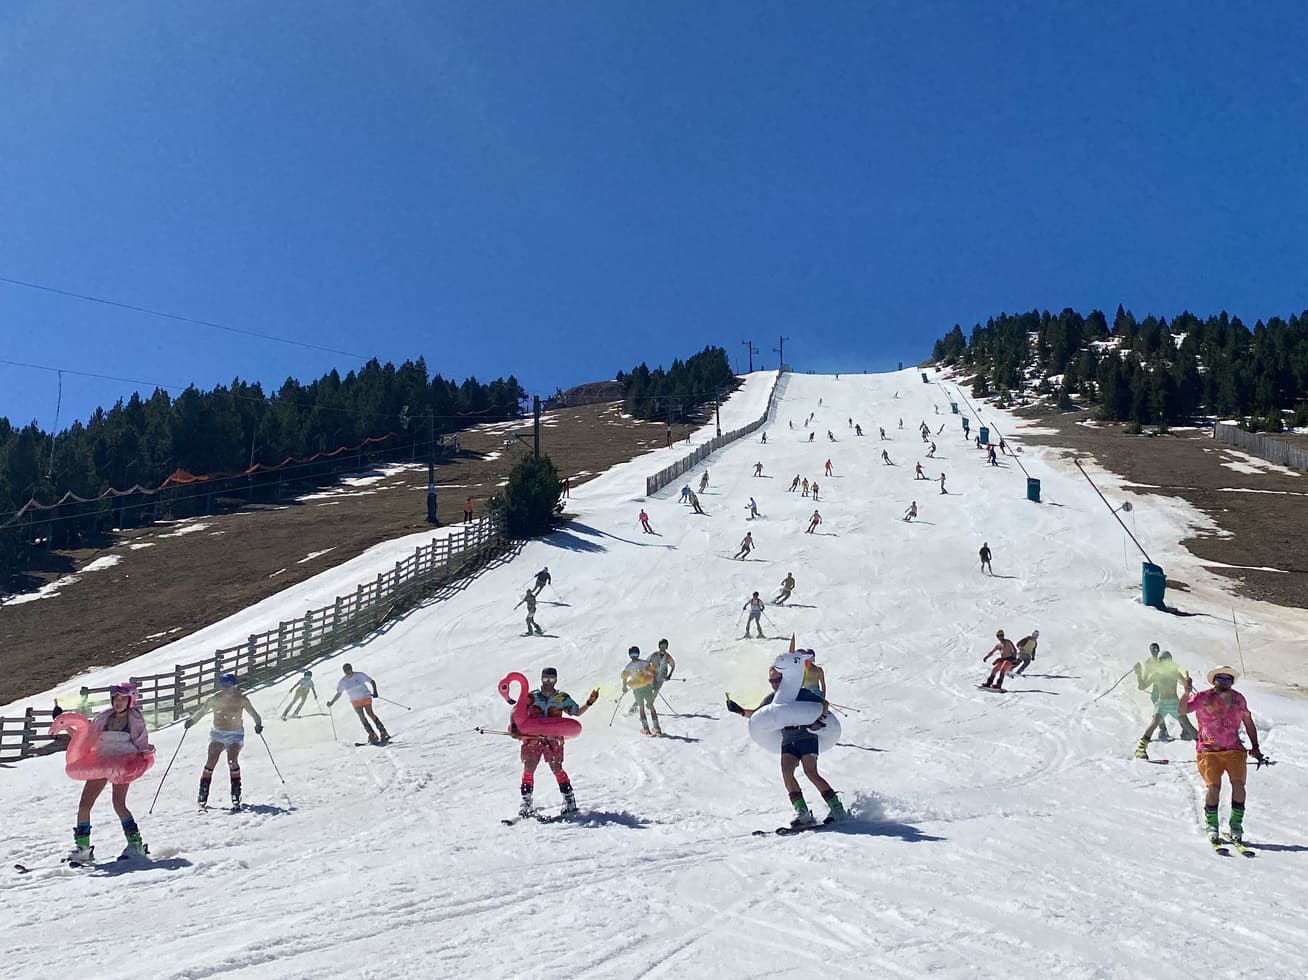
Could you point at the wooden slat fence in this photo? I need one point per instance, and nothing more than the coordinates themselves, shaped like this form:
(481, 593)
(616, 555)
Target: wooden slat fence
(1268, 447)
(687, 463)
(164, 698)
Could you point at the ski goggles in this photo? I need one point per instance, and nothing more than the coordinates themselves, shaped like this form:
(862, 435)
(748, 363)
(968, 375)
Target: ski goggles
(120, 690)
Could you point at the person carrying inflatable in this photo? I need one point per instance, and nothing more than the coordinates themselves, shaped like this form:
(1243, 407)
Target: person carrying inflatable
(548, 702)
(113, 747)
(639, 676)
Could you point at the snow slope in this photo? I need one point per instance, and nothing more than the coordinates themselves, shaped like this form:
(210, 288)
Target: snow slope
(995, 835)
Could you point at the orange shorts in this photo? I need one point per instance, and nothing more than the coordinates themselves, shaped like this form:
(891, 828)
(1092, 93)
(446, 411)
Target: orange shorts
(1212, 764)
(361, 703)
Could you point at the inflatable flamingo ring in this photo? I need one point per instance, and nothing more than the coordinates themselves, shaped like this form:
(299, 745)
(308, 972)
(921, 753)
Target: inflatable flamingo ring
(94, 753)
(521, 723)
(792, 706)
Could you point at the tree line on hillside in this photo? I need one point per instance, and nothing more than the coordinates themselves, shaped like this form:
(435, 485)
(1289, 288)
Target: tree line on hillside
(1146, 372)
(677, 394)
(390, 412)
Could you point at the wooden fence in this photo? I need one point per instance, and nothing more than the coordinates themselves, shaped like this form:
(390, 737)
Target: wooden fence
(670, 472)
(164, 698)
(1268, 447)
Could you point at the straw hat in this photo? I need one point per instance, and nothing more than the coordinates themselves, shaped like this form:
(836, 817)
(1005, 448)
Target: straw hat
(1222, 670)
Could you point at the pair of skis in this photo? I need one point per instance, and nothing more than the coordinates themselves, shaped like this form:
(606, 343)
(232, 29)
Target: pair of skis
(379, 743)
(1222, 845)
(541, 818)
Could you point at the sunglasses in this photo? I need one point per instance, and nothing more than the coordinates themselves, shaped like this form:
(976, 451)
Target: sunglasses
(1223, 679)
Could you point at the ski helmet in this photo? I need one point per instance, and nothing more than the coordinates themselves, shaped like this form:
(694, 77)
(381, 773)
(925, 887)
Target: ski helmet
(663, 644)
(1165, 655)
(1035, 634)
(308, 673)
(227, 680)
(128, 689)
(633, 653)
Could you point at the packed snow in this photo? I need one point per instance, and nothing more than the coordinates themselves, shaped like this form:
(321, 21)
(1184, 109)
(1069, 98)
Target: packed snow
(992, 835)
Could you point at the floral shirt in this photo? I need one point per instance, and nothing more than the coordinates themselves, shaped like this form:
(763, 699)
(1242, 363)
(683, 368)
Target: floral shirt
(1219, 724)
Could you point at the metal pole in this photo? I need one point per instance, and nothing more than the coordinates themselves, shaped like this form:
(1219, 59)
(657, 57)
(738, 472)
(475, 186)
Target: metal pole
(431, 467)
(535, 408)
(1113, 512)
(167, 771)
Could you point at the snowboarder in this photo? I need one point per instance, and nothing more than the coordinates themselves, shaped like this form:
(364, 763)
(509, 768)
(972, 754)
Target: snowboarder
(123, 726)
(303, 688)
(755, 607)
(529, 598)
(638, 676)
(694, 504)
(758, 469)
(1220, 711)
(746, 545)
(885, 458)
(918, 472)
(547, 702)
(1164, 676)
(703, 482)
(787, 587)
(828, 468)
(911, 513)
(542, 580)
(799, 747)
(228, 705)
(794, 484)
(644, 522)
(1005, 662)
(813, 522)
(985, 558)
(361, 689)
(1026, 651)
(752, 507)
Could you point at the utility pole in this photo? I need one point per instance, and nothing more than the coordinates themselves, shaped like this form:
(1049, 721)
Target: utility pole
(752, 351)
(431, 467)
(781, 352)
(717, 408)
(535, 409)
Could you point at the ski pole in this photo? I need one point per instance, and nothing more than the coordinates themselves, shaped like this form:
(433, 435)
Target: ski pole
(843, 707)
(1118, 681)
(167, 770)
(335, 737)
(525, 738)
(1235, 627)
(669, 704)
(271, 759)
(396, 703)
(284, 700)
(616, 707)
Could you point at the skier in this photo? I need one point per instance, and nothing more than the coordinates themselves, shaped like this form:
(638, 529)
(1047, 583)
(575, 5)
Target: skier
(1144, 680)
(814, 490)
(828, 467)
(1003, 663)
(746, 545)
(793, 484)
(685, 492)
(121, 730)
(361, 689)
(547, 702)
(758, 469)
(644, 522)
(529, 598)
(228, 734)
(931, 453)
(694, 504)
(703, 482)
(755, 607)
(664, 664)
(990, 456)
(942, 484)
(885, 458)
(1220, 711)
(830, 436)
(851, 422)
(1164, 678)
(542, 580)
(805, 487)
(764, 440)
(883, 433)
(901, 423)
(799, 747)
(911, 512)
(985, 558)
(752, 507)
(813, 522)
(787, 587)
(858, 430)
(303, 688)
(792, 425)
(1026, 651)
(918, 473)
(810, 436)
(815, 678)
(638, 676)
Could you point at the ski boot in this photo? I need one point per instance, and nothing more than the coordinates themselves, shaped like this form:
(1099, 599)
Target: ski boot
(1142, 749)
(569, 802)
(1163, 735)
(372, 738)
(383, 735)
(539, 631)
(1237, 823)
(803, 818)
(657, 732)
(837, 809)
(135, 847)
(283, 716)
(528, 808)
(81, 854)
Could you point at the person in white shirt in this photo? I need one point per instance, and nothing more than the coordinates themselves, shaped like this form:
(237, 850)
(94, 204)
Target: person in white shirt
(361, 689)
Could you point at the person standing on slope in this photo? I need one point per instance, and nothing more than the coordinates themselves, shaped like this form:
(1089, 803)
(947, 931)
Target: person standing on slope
(1220, 711)
(542, 580)
(746, 546)
(793, 484)
(703, 482)
(664, 664)
(755, 607)
(814, 490)
(804, 487)
(1026, 651)
(1144, 680)
(644, 522)
(303, 688)
(787, 587)
(752, 507)
(799, 747)
(529, 598)
(758, 469)
(638, 676)
(813, 522)
(828, 468)
(1005, 662)
(942, 484)
(1165, 677)
(685, 492)
(119, 730)
(694, 504)
(361, 689)
(984, 552)
(911, 513)
(858, 430)
(548, 702)
(228, 705)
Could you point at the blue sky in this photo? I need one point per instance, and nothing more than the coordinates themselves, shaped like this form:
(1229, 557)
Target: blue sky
(559, 191)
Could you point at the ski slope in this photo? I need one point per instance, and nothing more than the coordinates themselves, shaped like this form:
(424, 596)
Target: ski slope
(994, 835)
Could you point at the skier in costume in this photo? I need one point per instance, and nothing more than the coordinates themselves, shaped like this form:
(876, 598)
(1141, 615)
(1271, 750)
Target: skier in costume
(118, 731)
(542, 580)
(799, 747)
(1005, 662)
(985, 548)
(787, 587)
(303, 688)
(1165, 677)
(361, 689)
(755, 607)
(529, 598)
(1220, 712)
(638, 676)
(228, 705)
(813, 522)
(547, 702)
(1026, 651)
(746, 545)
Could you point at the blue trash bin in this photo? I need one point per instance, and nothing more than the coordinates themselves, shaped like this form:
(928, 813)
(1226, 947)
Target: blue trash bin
(954, 407)
(1153, 585)
(985, 435)
(1033, 489)
(925, 380)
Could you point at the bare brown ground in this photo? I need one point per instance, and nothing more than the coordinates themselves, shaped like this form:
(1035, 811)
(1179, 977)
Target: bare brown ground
(184, 583)
(1266, 528)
